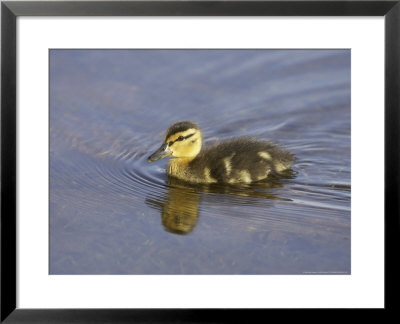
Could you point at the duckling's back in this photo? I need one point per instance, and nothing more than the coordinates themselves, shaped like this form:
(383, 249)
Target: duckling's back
(240, 160)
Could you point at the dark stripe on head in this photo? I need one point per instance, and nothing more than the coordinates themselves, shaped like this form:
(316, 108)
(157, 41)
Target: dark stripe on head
(178, 139)
(187, 136)
(180, 127)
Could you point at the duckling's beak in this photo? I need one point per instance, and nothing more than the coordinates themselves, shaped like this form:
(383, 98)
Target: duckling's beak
(162, 152)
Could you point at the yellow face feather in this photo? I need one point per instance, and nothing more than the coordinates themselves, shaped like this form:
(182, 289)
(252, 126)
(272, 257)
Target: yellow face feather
(186, 144)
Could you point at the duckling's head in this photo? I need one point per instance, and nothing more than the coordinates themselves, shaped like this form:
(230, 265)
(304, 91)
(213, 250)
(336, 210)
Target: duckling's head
(182, 140)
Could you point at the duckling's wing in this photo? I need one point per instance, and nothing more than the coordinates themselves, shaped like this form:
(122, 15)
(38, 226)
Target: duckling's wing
(215, 160)
(252, 160)
(241, 160)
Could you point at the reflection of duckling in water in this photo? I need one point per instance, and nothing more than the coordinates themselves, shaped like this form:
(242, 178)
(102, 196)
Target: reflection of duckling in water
(179, 208)
(180, 205)
(238, 160)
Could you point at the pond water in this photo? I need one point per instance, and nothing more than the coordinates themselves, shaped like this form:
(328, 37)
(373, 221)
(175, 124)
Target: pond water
(112, 212)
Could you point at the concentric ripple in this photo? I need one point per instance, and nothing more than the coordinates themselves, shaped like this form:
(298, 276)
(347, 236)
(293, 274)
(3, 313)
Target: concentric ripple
(126, 178)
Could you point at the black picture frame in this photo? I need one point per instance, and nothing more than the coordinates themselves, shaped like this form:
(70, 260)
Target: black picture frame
(10, 10)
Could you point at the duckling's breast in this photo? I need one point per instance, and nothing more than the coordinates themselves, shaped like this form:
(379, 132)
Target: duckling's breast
(185, 169)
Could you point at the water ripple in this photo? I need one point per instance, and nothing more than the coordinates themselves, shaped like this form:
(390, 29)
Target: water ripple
(261, 205)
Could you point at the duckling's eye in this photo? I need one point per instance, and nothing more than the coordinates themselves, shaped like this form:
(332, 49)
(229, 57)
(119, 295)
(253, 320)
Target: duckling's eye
(180, 138)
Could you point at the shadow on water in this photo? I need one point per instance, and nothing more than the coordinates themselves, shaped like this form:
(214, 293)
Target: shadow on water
(179, 206)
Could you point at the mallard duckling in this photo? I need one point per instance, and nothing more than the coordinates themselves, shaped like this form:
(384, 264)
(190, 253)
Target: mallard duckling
(237, 160)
